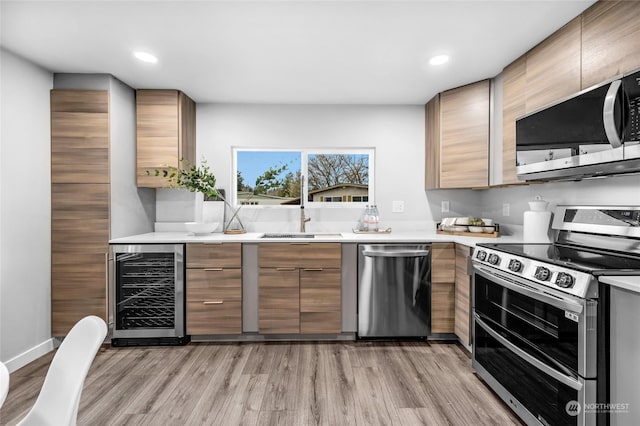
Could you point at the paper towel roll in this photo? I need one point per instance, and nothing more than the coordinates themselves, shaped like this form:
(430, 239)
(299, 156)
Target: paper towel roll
(536, 226)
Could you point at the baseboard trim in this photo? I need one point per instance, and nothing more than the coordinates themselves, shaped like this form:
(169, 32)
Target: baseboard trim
(30, 355)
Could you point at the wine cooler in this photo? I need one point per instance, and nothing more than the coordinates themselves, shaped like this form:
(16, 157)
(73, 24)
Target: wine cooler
(147, 295)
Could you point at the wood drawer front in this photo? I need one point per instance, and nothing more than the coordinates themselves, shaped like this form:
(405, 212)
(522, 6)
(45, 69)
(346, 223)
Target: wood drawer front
(443, 263)
(279, 301)
(214, 301)
(214, 285)
(228, 255)
(222, 318)
(300, 255)
(320, 301)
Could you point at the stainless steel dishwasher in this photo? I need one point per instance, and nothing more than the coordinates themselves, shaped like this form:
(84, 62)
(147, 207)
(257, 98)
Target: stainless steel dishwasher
(394, 290)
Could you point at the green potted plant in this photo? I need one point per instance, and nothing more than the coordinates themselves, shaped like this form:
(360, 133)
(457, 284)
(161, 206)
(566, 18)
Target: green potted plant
(198, 179)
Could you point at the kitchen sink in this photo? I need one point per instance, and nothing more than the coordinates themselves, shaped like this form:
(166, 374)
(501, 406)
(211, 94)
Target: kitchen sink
(299, 235)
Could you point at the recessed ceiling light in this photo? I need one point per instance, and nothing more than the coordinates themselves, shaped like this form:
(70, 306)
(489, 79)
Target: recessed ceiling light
(439, 59)
(145, 57)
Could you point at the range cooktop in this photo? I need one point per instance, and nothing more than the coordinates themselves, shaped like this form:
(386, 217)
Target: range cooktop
(593, 261)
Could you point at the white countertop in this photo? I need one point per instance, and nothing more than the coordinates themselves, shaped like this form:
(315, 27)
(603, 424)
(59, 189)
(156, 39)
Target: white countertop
(344, 237)
(626, 282)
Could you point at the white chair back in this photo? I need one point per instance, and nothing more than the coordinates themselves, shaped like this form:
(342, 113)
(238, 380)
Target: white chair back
(4, 382)
(59, 398)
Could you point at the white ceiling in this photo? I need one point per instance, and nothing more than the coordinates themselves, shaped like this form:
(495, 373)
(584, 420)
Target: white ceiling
(319, 52)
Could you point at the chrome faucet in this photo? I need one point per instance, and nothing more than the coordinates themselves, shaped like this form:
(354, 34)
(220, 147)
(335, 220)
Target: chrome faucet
(303, 219)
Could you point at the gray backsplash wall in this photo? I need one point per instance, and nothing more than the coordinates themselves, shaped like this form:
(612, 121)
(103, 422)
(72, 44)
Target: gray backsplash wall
(615, 190)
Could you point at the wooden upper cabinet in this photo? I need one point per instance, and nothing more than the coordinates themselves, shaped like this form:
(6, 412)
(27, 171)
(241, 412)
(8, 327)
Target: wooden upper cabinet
(79, 136)
(553, 67)
(432, 143)
(513, 106)
(165, 123)
(464, 136)
(610, 40)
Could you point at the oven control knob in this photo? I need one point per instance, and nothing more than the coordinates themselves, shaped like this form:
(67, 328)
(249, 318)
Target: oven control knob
(494, 259)
(542, 273)
(515, 265)
(564, 280)
(481, 256)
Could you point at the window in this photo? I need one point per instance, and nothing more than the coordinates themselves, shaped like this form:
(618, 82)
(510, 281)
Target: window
(281, 177)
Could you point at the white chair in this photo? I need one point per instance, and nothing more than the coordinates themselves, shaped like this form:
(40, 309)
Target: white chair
(4, 382)
(59, 398)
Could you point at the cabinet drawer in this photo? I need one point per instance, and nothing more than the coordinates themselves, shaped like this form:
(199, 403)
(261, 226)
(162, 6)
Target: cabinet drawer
(227, 255)
(214, 285)
(214, 318)
(299, 255)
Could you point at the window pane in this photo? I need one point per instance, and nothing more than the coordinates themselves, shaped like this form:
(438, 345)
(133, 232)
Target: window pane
(338, 177)
(268, 177)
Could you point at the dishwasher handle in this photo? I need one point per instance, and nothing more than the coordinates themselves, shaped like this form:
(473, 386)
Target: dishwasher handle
(396, 253)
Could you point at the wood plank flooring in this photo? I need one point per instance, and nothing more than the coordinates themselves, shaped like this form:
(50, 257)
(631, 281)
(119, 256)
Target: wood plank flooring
(306, 383)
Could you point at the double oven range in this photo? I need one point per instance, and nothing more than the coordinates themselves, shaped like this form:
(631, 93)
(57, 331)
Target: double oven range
(542, 315)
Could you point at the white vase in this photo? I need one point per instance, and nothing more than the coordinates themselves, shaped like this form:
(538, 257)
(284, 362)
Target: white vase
(213, 211)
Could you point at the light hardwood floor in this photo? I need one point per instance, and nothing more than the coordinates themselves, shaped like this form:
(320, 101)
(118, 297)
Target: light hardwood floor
(345, 383)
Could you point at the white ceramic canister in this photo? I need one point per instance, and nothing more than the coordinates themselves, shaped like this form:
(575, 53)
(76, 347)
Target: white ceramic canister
(536, 222)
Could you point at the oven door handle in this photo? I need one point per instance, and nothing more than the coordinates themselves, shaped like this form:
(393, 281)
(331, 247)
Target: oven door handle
(556, 301)
(562, 378)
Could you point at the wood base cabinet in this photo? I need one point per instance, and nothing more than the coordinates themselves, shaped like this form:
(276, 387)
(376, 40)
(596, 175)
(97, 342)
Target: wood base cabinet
(300, 288)
(214, 289)
(442, 288)
(463, 295)
(279, 301)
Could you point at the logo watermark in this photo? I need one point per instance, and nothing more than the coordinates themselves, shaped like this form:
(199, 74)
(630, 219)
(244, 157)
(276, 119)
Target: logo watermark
(574, 408)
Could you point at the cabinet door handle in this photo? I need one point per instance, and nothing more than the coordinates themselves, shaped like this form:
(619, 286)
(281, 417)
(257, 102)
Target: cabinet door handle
(213, 269)
(299, 244)
(285, 269)
(211, 243)
(313, 269)
(213, 302)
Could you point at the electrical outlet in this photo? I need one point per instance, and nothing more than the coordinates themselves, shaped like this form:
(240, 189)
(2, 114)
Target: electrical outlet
(397, 207)
(445, 206)
(505, 209)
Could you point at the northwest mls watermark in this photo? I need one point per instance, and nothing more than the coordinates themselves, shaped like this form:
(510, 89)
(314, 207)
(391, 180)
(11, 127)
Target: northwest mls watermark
(574, 408)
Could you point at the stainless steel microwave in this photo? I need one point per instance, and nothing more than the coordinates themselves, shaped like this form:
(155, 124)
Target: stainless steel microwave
(593, 133)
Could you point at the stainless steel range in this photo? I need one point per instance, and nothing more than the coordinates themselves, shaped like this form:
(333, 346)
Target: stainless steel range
(543, 317)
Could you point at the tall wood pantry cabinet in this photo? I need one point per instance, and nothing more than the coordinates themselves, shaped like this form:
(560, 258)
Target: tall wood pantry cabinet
(93, 191)
(79, 206)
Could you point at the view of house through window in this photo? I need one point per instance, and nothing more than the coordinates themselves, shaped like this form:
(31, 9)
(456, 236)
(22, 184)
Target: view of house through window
(283, 177)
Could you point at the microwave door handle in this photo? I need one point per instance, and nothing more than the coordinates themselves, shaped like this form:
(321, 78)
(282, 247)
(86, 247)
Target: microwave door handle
(556, 301)
(529, 359)
(608, 116)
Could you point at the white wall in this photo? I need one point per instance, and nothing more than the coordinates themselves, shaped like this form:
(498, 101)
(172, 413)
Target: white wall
(25, 205)
(132, 208)
(396, 133)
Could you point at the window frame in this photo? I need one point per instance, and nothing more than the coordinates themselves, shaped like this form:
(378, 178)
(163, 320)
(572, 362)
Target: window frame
(304, 155)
